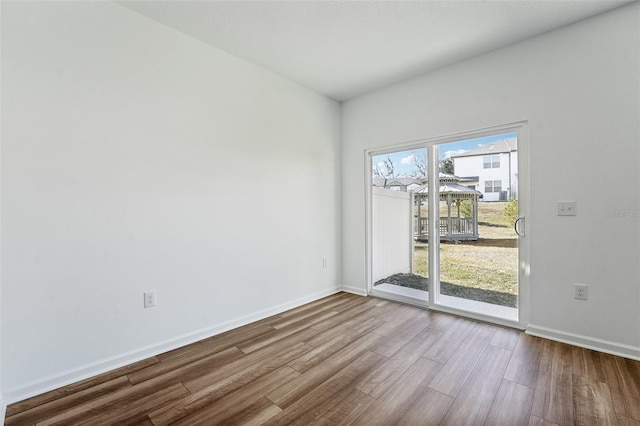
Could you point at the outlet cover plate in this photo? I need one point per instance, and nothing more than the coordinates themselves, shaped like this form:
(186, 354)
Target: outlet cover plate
(581, 291)
(149, 299)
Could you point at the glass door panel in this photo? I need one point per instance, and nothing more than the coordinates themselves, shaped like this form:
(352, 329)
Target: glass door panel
(478, 247)
(399, 240)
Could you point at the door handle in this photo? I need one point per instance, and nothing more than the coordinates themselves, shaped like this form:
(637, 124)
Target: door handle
(516, 227)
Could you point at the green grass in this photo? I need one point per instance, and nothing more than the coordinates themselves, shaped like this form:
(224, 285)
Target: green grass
(489, 264)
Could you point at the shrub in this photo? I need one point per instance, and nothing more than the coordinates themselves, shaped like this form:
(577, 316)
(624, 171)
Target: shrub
(511, 211)
(466, 209)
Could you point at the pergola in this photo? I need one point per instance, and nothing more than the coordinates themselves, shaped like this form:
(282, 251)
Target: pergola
(451, 228)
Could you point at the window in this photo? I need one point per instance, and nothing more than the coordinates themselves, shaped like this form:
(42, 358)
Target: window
(492, 186)
(491, 162)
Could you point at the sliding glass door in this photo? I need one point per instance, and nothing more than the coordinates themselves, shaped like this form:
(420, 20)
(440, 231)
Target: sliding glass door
(447, 224)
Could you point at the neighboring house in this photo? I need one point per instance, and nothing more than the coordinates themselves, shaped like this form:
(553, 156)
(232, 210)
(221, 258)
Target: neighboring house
(399, 184)
(491, 169)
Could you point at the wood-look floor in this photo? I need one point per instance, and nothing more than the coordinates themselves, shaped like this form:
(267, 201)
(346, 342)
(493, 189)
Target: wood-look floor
(347, 359)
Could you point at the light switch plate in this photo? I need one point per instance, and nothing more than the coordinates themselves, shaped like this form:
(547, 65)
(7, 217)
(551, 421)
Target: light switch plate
(567, 208)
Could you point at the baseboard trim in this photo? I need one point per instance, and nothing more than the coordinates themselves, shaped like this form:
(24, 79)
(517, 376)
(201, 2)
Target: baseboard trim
(354, 290)
(71, 376)
(587, 342)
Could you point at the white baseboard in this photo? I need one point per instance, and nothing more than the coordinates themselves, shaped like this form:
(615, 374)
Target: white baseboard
(68, 377)
(3, 410)
(605, 346)
(354, 290)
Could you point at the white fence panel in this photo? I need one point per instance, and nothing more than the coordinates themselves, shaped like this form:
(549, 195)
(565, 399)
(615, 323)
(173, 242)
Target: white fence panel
(392, 233)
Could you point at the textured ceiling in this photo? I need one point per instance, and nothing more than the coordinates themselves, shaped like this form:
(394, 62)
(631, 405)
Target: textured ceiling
(346, 48)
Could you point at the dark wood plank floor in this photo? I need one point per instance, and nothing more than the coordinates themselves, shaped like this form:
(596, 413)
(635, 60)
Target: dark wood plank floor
(347, 359)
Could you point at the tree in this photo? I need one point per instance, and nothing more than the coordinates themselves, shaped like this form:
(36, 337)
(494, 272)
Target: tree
(420, 161)
(466, 208)
(446, 166)
(384, 170)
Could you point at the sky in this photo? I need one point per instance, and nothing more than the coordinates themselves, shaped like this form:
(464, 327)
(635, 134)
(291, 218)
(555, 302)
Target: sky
(404, 161)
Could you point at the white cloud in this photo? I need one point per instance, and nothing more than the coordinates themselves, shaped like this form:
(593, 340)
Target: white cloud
(448, 154)
(408, 160)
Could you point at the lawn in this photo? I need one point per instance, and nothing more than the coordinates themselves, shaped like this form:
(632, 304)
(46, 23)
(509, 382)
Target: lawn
(491, 263)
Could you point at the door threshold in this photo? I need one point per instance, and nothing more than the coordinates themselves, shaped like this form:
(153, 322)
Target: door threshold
(487, 312)
(410, 296)
(483, 308)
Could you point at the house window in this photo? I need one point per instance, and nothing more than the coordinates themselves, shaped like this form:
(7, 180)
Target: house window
(492, 186)
(491, 162)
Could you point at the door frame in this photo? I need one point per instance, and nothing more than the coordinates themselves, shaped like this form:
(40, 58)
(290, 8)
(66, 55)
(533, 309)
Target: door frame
(524, 270)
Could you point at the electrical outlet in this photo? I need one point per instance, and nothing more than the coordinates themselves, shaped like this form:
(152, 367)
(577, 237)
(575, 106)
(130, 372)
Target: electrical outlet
(149, 299)
(324, 263)
(581, 291)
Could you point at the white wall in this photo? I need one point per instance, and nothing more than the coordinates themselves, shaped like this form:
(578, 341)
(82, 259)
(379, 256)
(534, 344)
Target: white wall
(3, 406)
(579, 89)
(136, 158)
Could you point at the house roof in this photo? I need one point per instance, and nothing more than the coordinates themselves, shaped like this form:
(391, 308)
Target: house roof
(386, 182)
(498, 147)
(469, 179)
